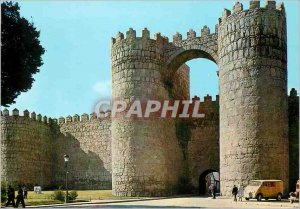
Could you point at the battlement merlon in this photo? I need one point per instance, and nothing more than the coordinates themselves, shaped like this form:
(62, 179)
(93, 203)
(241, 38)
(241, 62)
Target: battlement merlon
(253, 5)
(206, 99)
(160, 39)
(293, 93)
(48, 120)
(131, 37)
(26, 115)
(85, 118)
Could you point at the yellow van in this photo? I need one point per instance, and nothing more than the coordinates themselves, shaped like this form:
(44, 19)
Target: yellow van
(259, 189)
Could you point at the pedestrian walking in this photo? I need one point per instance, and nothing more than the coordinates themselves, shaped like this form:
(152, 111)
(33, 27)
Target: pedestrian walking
(234, 192)
(25, 193)
(11, 196)
(20, 198)
(214, 191)
(241, 193)
(210, 188)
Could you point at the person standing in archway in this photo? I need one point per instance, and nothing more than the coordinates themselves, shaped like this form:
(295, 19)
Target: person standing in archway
(234, 192)
(214, 191)
(241, 193)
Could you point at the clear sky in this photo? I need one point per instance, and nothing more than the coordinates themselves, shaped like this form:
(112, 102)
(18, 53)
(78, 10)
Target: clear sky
(76, 36)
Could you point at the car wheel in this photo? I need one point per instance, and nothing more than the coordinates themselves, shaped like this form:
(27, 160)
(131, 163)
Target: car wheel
(279, 197)
(259, 197)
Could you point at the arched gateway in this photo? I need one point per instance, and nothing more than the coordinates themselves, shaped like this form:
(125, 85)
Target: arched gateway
(249, 47)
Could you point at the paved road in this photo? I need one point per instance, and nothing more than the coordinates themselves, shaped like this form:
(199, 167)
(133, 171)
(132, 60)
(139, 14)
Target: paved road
(187, 202)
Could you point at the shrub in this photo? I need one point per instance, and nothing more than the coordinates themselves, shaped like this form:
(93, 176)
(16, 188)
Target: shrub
(72, 195)
(58, 195)
(3, 194)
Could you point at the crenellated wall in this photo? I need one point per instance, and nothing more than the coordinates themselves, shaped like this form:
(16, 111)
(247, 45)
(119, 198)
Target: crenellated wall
(244, 134)
(33, 149)
(26, 152)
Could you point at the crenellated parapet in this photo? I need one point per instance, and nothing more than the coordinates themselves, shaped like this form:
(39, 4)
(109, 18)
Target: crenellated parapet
(254, 6)
(15, 115)
(257, 26)
(131, 37)
(207, 106)
(160, 49)
(182, 50)
(40, 140)
(85, 118)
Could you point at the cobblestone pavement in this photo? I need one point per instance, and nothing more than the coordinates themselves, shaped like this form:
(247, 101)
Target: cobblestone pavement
(188, 202)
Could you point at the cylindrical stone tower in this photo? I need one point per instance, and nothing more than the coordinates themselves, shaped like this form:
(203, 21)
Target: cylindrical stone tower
(146, 157)
(253, 95)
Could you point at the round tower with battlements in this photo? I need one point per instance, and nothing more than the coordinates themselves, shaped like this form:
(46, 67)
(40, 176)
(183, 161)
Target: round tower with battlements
(146, 157)
(252, 51)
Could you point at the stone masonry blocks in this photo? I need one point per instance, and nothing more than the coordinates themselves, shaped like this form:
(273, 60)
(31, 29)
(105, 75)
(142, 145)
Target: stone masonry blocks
(253, 97)
(249, 47)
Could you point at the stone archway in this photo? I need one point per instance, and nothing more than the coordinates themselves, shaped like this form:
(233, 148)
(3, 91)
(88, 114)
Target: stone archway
(202, 181)
(249, 47)
(205, 46)
(203, 144)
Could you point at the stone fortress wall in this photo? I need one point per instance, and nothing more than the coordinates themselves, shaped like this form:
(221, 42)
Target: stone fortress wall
(32, 147)
(32, 150)
(244, 134)
(249, 47)
(26, 149)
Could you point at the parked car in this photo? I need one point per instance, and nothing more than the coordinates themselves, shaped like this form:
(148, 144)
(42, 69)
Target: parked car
(264, 189)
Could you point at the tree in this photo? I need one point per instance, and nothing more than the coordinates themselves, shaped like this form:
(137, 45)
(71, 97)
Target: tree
(20, 53)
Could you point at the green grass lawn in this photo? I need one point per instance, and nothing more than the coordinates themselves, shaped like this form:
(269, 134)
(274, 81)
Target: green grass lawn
(45, 197)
